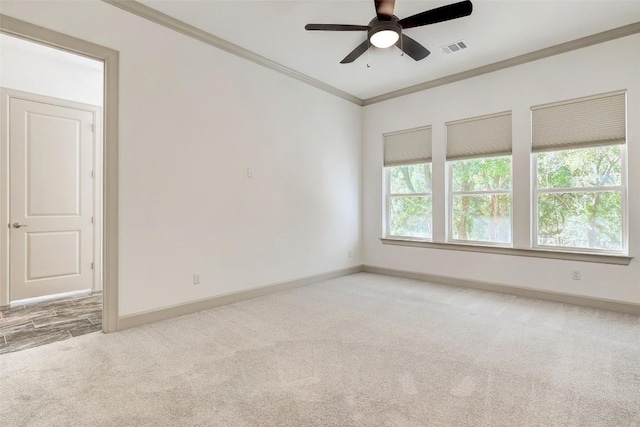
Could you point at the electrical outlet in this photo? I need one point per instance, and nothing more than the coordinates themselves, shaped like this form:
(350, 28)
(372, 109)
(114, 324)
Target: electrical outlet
(196, 278)
(249, 173)
(349, 254)
(575, 275)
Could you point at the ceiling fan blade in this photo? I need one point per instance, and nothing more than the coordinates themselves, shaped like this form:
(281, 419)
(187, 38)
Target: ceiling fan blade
(440, 14)
(384, 9)
(355, 53)
(335, 27)
(412, 48)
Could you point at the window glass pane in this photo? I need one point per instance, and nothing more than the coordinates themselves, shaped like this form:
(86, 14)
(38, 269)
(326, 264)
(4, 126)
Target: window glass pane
(483, 218)
(410, 216)
(410, 178)
(585, 167)
(482, 174)
(580, 220)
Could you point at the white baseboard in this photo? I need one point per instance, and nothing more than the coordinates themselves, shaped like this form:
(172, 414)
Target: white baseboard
(139, 319)
(604, 304)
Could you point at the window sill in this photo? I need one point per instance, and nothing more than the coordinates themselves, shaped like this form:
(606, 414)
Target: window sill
(500, 250)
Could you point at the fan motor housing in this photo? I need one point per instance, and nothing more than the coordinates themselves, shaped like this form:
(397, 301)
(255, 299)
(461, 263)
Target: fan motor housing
(376, 26)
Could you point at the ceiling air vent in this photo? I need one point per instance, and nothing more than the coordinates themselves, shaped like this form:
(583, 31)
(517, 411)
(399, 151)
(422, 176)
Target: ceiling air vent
(453, 47)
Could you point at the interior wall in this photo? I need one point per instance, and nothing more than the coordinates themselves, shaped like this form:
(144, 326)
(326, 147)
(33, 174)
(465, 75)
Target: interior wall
(600, 68)
(34, 68)
(193, 120)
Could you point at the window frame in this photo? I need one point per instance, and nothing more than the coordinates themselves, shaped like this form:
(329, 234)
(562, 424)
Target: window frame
(622, 188)
(451, 194)
(389, 196)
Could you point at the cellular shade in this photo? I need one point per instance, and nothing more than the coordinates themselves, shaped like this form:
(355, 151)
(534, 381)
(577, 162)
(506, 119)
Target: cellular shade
(584, 122)
(483, 136)
(407, 147)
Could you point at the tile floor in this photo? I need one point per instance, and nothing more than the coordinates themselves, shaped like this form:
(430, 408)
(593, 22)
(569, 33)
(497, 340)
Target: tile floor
(32, 325)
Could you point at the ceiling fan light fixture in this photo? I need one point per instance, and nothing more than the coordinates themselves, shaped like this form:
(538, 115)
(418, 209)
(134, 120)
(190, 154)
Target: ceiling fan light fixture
(386, 29)
(384, 38)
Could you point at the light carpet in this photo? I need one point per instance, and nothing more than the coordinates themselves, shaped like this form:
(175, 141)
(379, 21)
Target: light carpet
(361, 350)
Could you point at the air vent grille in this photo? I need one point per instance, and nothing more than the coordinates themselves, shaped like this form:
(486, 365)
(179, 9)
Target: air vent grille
(453, 47)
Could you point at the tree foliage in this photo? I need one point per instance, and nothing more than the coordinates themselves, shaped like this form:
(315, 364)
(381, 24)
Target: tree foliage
(410, 209)
(579, 201)
(481, 217)
(580, 219)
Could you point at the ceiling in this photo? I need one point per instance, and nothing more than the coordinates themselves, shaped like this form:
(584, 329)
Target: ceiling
(24, 47)
(496, 30)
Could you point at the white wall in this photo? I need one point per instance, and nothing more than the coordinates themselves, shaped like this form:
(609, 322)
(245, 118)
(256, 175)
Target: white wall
(601, 68)
(192, 120)
(34, 68)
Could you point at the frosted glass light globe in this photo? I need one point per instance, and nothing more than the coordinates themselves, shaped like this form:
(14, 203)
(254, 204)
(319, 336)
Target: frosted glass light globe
(384, 38)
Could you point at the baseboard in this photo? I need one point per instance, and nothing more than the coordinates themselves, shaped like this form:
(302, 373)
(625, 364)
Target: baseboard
(139, 319)
(604, 304)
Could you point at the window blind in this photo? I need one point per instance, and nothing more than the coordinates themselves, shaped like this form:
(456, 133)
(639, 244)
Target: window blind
(407, 147)
(482, 136)
(584, 122)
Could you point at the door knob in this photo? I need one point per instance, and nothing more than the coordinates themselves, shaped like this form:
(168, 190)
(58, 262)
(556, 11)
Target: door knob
(18, 225)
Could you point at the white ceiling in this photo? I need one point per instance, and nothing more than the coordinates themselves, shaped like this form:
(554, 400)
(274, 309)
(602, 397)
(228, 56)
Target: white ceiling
(496, 30)
(24, 47)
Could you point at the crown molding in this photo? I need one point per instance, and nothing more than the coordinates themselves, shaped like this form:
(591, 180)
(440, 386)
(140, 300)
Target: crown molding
(182, 27)
(172, 23)
(597, 38)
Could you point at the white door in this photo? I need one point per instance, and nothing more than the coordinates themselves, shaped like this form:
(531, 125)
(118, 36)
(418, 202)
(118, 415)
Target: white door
(51, 199)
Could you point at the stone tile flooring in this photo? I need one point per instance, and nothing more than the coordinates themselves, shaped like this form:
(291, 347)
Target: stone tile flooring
(32, 325)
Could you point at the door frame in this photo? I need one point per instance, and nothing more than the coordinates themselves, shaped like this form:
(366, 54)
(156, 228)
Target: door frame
(110, 58)
(6, 95)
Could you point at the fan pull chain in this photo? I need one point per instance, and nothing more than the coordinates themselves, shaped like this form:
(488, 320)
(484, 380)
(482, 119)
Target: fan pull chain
(401, 44)
(368, 49)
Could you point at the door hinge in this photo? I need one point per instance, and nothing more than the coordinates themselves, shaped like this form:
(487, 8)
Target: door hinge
(93, 127)
(92, 175)
(92, 266)
(93, 221)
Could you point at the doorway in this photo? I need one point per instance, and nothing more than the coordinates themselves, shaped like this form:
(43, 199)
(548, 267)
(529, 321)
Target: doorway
(54, 195)
(53, 178)
(77, 250)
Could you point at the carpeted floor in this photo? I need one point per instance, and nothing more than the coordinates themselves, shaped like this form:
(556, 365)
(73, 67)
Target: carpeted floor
(362, 350)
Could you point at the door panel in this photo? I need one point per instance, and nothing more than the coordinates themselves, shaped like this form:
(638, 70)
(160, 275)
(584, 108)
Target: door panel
(51, 197)
(53, 254)
(52, 170)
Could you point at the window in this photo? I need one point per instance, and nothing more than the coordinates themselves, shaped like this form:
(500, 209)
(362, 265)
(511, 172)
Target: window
(579, 197)
(481, 200)
(409, 201)
(479, 159)
(570, 189)
(407, 161)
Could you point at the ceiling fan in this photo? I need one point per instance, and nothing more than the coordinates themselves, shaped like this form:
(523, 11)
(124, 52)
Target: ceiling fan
(385, 29)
